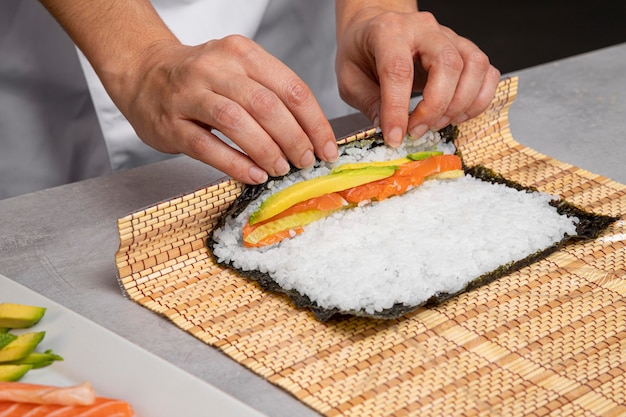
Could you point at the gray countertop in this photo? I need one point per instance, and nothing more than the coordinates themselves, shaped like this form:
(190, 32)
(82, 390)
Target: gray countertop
(61, 242)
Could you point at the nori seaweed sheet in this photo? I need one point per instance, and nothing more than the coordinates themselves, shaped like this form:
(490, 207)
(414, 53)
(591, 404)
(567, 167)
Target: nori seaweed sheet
(589, 227)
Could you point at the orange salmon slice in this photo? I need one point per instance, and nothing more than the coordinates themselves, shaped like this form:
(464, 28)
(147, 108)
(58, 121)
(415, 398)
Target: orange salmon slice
(102, 407)
(18, 399)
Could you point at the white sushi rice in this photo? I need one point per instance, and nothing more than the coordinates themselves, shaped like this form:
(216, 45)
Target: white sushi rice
(434, 239)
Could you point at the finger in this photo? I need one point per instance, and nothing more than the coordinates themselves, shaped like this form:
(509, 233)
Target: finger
(199, 143)
(444, 65)
(475, 68)
(310, 124)
(272, 115)
(233, 120)
(395, 72)
(484, 97)
(288, 111)
(396, 85)
(359, 90)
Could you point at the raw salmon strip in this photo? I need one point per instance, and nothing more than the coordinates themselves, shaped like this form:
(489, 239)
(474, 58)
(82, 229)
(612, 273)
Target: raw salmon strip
(103, 407)
(82, 394)
(19, 399)
(8, 409)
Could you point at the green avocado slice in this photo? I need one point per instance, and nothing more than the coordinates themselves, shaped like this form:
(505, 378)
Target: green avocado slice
(19, 316)
(420, 156)
(38, 359)
(21, 347)
(11, 373)
(6, 338)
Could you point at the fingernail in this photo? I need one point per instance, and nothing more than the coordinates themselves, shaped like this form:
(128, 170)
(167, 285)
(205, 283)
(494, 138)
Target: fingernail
(257, 175)
(281, 167)
(330, 151)
(394, 137)
(307, 159)
(418, 131)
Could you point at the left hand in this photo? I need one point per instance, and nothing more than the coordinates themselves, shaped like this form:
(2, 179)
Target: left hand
(383, 56)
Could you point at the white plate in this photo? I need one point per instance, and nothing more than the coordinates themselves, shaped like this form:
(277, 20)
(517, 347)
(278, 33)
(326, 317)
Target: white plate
(117, 368)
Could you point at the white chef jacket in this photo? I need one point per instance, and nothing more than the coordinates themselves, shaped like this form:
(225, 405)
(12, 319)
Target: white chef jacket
(58, 125)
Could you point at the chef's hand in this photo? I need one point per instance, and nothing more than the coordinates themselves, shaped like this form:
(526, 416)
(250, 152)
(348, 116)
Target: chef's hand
(234, 86)
(175, 95)
(387, 51)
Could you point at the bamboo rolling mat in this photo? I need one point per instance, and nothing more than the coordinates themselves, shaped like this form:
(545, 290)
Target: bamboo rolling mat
(549, 339)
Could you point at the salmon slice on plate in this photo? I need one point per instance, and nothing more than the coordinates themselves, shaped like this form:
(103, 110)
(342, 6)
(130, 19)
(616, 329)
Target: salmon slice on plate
(31, 400)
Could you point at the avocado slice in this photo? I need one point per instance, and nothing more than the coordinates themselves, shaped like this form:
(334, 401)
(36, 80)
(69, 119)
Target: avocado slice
(19, 316)
(446, 175)
(316, 187)
(419, 156)
(37, 359)
(6, 338)
(416, 156)
(11, 373)
(358, 165)
(290, 222)
(21, 347)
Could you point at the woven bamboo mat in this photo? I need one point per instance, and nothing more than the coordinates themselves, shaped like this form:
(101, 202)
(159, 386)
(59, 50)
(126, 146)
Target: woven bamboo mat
(549, 339)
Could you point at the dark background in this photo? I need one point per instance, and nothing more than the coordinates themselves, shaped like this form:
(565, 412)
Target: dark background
(518, 34)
